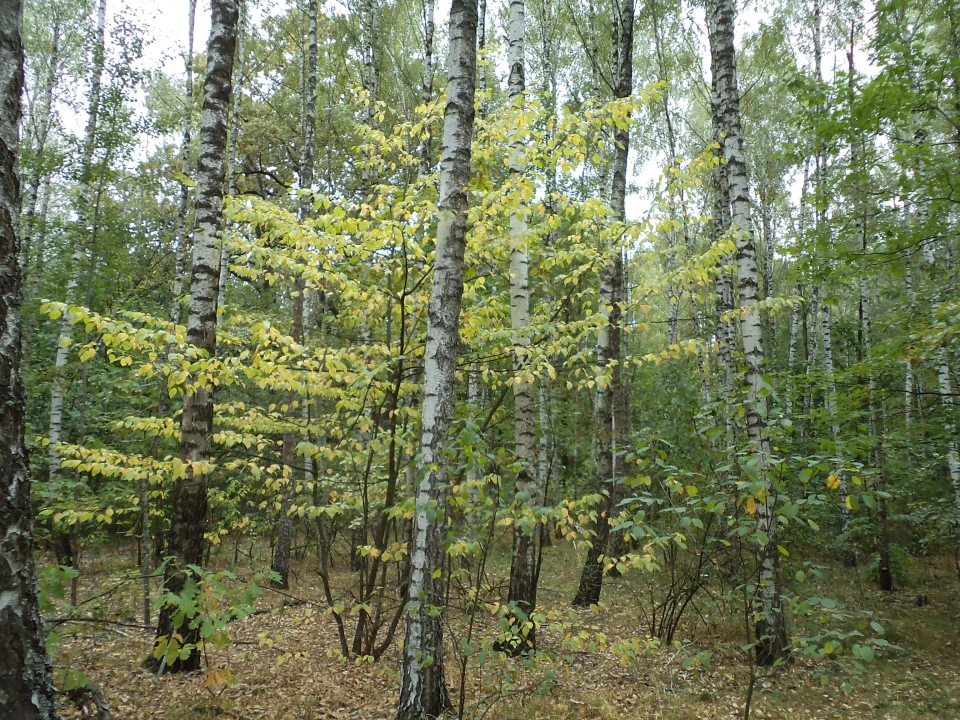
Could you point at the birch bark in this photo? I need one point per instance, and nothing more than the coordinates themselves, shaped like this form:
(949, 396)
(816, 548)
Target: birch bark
(25, 669)
(423, 692)
(426, 83)
(523, 581)
(41, 125)
(180, 227)
(83, 227)
(189, 509)
(770, 627)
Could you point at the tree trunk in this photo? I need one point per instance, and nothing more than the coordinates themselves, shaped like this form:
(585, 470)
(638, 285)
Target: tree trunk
(608, 344)
(370, 37)
(234, 133)
(83, 225)
(857, 169)
(482, 54)
(830, 401)
(676, 202)
(25, 671)
(41, 131)
(770, 629)
(792, 352)
(189, 510)
(523, 568)
(180, 231)
(814, 355)
(426, 83)
(281, 554)
(423, 692)
(725, 329)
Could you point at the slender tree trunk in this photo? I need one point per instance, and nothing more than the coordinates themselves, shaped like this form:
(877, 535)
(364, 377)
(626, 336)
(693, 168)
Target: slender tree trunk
(857, 168)
(908, 380)
(523, 569)
(769, 250)
(232, 137)
(884, 570)
(34, 268)
(792, 351)
(676, 201)
(608, 344)
(189, 510)
(41, 131)
(423, 691)
(771, 627)
(25, 672)
(426, 83)
(82, 227)
(725, 330)
(370, 37)
(814, 355)
(180, 227)
(281, 554)
(830, 401)
(482, 54)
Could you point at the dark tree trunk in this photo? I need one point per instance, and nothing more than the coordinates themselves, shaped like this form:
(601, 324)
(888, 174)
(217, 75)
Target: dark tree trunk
(281, 552)
(611, 290)
(26, 685)
(189, 511)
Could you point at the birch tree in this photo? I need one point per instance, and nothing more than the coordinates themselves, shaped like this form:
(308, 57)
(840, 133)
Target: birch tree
(423, 692)
(25, 671)
(67, 549)
(189, 509)
(608, 342)
(180, 231)
(523, 569)
(426, 82)
(770, 629)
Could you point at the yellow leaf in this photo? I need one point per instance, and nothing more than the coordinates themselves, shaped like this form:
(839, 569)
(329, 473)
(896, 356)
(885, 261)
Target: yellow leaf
(751, 505)
(833, 482)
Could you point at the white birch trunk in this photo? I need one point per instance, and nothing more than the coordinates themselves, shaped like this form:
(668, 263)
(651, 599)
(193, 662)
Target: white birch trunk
(792, 352)
(180, 232)
(830, 401)
(40, 126)
(84, 222)
(426, 82)
(422, 685)
(523, 567)
(25, 670)
(771, 628)
(35, 268)
(814, 356)
(908, 380)
(189, 507)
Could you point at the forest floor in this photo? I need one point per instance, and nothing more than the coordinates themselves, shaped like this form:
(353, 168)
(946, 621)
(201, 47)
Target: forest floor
(284, 663)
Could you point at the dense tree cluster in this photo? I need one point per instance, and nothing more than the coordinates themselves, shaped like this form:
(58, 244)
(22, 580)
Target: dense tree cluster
(669, 283)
